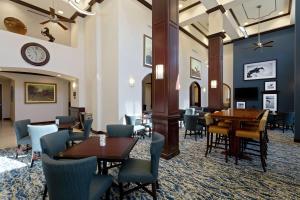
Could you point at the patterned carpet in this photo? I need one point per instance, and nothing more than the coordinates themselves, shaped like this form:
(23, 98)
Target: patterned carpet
(188, 176)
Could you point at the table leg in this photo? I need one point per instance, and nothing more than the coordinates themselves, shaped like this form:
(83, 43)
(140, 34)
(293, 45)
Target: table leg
(104, 169)
(234, 141)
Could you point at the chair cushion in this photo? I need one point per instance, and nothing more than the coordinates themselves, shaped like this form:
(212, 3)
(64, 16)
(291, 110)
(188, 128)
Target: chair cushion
(75, 136)
(224, 124)
(135, 170)
(25, 140)
(99, 185)
(247, 134)
(218, 130)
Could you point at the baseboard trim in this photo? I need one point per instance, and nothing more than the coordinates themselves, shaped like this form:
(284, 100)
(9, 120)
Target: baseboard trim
(45, 122)
(297, 140)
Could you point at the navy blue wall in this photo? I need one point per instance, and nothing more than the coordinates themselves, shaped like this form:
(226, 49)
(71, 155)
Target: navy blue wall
(297, 73)
(283, 52)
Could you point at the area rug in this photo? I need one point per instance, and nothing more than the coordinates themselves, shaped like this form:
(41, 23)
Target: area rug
(190, 175)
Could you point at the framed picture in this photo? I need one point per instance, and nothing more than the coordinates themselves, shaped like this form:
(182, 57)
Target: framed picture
(40, 93)
(147, 51)
(195, 68)
(240, 104)
(260, 70)
(270, 86)
(270, 102)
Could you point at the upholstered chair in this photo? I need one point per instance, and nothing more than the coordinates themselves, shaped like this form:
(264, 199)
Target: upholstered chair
(66, 119)
(36, 132)
(119, 130)
(22, 134)
(219, 131)
(137, 124)
(192, 126)
(75, 179)
(142, 172)
(80, 136)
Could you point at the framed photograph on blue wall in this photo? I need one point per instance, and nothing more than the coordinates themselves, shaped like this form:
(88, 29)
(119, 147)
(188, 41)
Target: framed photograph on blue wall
(270, 86)
(260, 70)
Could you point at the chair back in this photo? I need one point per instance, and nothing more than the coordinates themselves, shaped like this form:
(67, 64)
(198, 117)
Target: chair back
(38, 131)
(190, 122)
(262, 124)
(68, 179)
(189, 111)
(156, 148)
(87, 126)
(21, 128)
(130, 120)
(290, 118)
(208, 119)
(54, 143)
(66, 119)
(119, 130)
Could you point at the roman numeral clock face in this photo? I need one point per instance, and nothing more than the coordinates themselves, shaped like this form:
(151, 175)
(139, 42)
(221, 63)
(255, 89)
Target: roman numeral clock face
(35, 54)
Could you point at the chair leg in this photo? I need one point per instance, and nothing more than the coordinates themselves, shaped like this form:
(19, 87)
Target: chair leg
(195, 132)
(237, 151)
(207, 144)
(17, 151)
(45, 192)
(121, 191)
(185, 134)
(263, 162)
(226, 149)
(211, 142)
(154, 191)
(107, 194)
(32, 159)
(157, 185)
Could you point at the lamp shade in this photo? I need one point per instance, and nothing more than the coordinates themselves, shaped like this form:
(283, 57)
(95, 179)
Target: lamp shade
(159, 71)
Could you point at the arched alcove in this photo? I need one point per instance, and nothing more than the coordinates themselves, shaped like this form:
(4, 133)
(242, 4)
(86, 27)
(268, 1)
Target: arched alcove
(195, 94)
(147, 93)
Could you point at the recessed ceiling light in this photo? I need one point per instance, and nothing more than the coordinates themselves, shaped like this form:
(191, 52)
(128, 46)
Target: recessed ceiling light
(58, 75)
(280, 13)
(246, 23)
(180, 6)
(60, 12)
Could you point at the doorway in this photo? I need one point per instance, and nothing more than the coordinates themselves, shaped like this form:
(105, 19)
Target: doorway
(147, 93)
(195, 94)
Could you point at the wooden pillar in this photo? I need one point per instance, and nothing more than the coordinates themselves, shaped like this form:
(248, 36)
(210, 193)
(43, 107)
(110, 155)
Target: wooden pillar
(215, 70)
(165, 51)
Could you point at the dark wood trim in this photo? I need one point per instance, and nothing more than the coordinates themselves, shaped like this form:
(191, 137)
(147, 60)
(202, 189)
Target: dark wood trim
(192, 103)
(234, 17)
(219, 7)
(26, 73)
(7, 118)
(296, 140)
(262, 33)
(97, 132)
(190, 6)
(145, 3)
(198, 29)
(220, 34)
(28, 5)
(44, 122)
(33, 44)
(269, 19)
(193, 37)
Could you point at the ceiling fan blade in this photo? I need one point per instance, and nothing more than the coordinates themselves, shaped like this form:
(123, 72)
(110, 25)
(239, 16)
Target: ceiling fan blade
(45, 22)
(268, 42)
(255, 44)
(268, 45)
(52, 12)
(61, 25)
(66, 20)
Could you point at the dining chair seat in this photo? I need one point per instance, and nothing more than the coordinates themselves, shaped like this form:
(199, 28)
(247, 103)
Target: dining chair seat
(99, 185)
(135, 170)
(224, 124)
(218, 129)
(251, 134)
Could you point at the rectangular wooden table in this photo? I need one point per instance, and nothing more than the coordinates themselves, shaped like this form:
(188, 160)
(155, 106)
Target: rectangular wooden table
(236, 116)
(117, 149)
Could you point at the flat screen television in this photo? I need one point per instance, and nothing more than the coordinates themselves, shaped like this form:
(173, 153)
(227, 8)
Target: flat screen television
(245, 94)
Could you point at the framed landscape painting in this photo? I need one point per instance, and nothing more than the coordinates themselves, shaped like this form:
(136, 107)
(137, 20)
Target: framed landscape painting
(147, 51)
(40, 93)
(195, 68)
(260, 70)
(270, 102)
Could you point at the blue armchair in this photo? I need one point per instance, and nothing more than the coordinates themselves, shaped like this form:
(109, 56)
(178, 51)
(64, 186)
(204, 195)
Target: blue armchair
(137, 124)
(80, 136)
(192, 125)
(66, 119)
(142, 172)
(119, 130)
(22, 134)
(75, 179)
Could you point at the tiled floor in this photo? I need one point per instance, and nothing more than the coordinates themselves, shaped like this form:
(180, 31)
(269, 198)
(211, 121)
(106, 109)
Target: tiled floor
(7, 135)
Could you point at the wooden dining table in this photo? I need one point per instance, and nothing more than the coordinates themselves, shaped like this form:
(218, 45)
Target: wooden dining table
(117, 149)
(236, 116)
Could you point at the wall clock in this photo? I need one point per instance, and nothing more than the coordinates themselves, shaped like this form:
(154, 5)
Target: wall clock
(35, 54)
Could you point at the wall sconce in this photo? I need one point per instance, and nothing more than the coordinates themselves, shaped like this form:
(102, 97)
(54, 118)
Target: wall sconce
(74, 85)
(204, 89)
(131, 82)
(159, 71)
(177, 83)
(213, 83)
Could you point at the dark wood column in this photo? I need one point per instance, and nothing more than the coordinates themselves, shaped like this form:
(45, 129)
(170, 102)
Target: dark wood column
(215, 70)
(165, 51)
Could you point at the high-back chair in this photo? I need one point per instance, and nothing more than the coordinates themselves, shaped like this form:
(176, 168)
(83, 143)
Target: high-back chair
(258, 135)
(22, 134)
(36, 132)
(192, 126)
(212, 129)
(119, 130)
(137, 124)
(142, 172)
(74, 179)
(66, 119)
(80, 136)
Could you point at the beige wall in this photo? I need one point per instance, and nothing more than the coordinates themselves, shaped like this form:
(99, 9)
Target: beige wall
(38, 112)
(228, 67)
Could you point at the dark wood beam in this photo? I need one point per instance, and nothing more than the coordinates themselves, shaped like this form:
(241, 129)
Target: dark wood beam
(27, 73)
(198, 29)
(145, 3)
(193, 37)
(190, 6)
(219, 7)
(234, 17)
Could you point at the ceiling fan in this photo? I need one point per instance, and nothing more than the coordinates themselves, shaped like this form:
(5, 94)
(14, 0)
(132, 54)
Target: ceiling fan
(259, 44)
(54, 19)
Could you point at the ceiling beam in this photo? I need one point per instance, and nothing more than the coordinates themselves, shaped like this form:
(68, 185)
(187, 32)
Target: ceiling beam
(190, 6)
